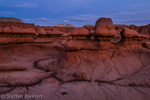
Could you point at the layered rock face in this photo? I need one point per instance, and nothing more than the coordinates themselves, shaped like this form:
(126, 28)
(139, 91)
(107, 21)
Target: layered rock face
(73, 63)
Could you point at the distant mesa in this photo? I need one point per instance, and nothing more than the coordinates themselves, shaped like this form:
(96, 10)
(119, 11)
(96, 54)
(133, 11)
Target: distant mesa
(10, 19)
(62, 25)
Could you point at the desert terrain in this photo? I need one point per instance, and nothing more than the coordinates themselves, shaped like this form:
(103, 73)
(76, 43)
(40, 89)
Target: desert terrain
(94, 62)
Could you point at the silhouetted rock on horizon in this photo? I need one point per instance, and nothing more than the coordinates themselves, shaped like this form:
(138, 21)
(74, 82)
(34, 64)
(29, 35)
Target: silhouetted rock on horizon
(11, 19)
(62, 25)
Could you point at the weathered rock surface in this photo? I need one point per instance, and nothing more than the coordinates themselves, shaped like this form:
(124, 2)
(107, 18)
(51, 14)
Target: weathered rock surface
(23, 30)
(104, 27)
(147, 44)
(89, 27)
(71, 63)
(80, 31)
(140, 29)
(129, 33)
(7, 30)
(12, 68)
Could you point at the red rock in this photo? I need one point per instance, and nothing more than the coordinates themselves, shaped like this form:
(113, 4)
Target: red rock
(80, 68)
(41, 31)
(116, 39)
(25, 31)
(140, 29)
(104, 22)
(129, 33)
(147, 44)
(89, 27)
(80, 31)
(54, 32)
(119, 28)
(7, 30)
(12, 68)
(104, 27)
(66, 34)
(104, 32)
(144, 31)
(1, 30)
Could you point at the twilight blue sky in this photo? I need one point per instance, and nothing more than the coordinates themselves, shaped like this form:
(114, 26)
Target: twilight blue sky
(77, 12)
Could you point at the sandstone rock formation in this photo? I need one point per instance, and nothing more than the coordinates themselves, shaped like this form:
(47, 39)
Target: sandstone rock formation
(145, 30)
(89, 27)
(23, 30)
(80, 31)
(104, 27)
(65, 63)
(129, 33)
(147, 44)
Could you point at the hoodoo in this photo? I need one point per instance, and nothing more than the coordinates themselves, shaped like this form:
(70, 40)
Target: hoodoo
(104, 27)
(64, 63)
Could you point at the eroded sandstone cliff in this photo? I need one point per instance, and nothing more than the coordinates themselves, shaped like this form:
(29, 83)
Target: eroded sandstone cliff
(74, 63)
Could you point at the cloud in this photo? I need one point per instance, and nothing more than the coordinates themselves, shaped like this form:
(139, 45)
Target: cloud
(26, 5)
(79, 18)
(39, 19)
(8, 3)
(135, 21)
(46, 19)
(138, 5)
(28, 19)
(6, 12)
(66, 21)
(128, 13)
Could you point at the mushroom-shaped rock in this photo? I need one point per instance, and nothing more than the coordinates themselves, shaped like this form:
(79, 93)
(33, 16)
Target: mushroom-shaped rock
(80, 31)
(129, 33)
(104, 27)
